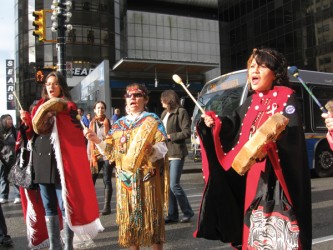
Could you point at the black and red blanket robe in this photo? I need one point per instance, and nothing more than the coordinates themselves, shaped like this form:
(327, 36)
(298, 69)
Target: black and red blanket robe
(228, 195)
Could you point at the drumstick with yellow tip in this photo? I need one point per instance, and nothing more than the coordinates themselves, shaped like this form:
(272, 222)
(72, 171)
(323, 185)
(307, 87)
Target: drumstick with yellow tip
(81, 122)
(85, 129)
(178, 80)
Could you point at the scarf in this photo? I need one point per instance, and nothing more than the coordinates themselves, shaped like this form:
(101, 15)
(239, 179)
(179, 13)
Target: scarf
(94, 153)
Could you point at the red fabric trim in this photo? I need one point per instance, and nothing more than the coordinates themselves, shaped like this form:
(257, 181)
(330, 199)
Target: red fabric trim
(204, 160)
(38, 230)
(216, 129)
(81, 198)
(273, 156)
(329, 137)
(217, 145)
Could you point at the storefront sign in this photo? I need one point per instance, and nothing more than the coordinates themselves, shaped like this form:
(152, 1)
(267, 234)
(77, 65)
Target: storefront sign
(81, 71)
(10, 84)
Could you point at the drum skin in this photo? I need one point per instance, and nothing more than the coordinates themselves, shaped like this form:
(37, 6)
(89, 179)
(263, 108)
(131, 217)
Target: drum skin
(254, 149)
(42, 122)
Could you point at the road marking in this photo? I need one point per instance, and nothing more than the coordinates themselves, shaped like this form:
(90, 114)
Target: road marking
(322, 240)
(194, 195)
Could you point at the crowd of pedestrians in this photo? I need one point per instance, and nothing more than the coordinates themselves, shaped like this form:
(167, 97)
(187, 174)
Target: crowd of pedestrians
(147, 154)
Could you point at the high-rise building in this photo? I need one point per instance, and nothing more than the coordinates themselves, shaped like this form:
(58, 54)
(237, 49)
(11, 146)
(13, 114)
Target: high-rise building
(148, 41)
(143, 41)
(301, 29)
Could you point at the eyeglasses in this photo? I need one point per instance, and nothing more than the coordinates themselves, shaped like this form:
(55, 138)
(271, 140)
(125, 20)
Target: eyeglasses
(48, 84)
(136, 95)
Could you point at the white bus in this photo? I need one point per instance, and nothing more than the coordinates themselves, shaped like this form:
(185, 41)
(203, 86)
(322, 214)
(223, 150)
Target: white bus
(226, 92)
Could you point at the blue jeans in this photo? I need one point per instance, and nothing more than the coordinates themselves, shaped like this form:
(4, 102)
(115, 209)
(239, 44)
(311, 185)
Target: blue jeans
(4, 183)
(177, 194)
(51, 196)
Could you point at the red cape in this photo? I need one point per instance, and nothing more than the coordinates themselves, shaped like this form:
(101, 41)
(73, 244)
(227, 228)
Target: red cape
(78, 191)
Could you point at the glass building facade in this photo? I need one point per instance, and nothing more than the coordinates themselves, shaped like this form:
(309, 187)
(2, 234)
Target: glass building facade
(301, 29)
(171, 37)
(149, 41)
(141, 40)
(91, 40)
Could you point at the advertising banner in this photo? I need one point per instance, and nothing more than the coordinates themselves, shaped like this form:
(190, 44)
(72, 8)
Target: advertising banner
(10, 84)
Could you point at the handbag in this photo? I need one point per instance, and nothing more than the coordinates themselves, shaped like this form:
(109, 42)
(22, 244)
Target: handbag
(272, 222)
(21, 173)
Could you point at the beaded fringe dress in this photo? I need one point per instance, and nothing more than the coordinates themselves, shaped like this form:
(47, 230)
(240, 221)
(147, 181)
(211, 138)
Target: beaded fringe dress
(142, 185)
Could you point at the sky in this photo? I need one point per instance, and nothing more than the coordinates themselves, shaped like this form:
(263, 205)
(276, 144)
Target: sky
(7, 48)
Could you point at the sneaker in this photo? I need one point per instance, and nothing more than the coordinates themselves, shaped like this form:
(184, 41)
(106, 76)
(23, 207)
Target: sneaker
(17, 201)
(3, 200)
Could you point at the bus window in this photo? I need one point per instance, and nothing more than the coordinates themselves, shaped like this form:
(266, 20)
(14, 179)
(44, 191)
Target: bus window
(300, 102)
(323, 94)
(226, 102)
(222, 103)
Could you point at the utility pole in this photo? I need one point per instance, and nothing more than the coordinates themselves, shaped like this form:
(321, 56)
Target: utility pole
(61, 16)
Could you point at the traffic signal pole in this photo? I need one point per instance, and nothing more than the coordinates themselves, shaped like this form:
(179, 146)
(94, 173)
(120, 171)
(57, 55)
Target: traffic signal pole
(61, 39)
(60, 17)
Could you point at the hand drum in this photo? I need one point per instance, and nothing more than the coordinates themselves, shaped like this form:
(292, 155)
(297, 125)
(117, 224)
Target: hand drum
(42, 123)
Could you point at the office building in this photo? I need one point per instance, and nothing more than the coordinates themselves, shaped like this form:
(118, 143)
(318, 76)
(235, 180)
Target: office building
(149, 41)
(143, 41)
(301, 30)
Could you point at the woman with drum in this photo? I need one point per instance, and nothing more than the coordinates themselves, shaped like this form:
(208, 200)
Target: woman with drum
(61, 170)
(136, 142)
(101, 125)
(228, 195)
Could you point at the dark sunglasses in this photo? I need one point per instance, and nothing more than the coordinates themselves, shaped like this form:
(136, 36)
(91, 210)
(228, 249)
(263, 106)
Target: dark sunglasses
(136, 95)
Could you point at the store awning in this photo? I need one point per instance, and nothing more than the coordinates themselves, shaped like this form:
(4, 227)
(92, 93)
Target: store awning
(161, 66)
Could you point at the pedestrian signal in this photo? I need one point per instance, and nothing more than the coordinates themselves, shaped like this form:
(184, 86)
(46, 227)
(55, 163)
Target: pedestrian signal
(41, 74)
(39, 24)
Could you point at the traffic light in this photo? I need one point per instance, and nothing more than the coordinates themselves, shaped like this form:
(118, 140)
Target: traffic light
(39, 24)
(41, 74)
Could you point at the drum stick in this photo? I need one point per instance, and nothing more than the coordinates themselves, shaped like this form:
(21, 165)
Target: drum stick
(178, 80)
(82, 124)
(85, 129)
(78, 117)
(293, 70)
(18, 101)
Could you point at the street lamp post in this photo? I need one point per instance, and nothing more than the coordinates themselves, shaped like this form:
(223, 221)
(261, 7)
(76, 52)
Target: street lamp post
(61, 16)
(61, 42)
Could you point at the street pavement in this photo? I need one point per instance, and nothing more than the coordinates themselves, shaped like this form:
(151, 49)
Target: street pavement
(179, 236)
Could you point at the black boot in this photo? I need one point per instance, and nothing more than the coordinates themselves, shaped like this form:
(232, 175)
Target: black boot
(94, 178)
(107, 201)
(53, 230)
(68, 236)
